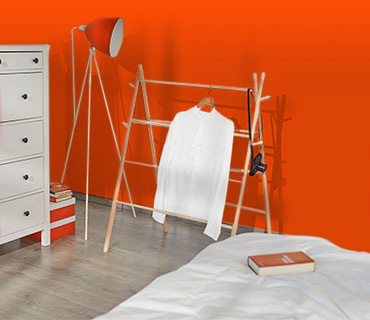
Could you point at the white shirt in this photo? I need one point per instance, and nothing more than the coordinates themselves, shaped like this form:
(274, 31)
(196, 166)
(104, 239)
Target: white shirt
(194, 168)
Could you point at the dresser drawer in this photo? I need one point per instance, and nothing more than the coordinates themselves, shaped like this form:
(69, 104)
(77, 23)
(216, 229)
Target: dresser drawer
(20, 96)
(21, 177)
(20, 139)
(20, 60)
(22, 213)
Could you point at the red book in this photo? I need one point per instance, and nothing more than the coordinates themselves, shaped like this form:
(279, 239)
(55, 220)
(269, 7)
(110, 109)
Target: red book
(62, 195)
(52, 199)
(58, 188)
(279, 263)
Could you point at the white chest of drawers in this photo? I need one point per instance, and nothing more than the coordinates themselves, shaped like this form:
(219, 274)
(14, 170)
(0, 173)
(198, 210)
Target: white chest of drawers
(24, 142)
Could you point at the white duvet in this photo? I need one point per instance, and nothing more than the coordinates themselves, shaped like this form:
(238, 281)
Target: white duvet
(218, 284)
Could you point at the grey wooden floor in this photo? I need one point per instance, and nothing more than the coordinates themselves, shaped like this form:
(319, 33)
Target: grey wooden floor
(73, 279)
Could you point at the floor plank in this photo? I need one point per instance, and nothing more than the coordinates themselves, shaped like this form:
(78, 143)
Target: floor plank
(73, 279)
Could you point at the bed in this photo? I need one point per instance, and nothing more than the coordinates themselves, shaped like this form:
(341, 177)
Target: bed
(218, 284)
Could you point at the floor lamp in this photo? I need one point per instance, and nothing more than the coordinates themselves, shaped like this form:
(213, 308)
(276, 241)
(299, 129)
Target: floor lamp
(105, 35)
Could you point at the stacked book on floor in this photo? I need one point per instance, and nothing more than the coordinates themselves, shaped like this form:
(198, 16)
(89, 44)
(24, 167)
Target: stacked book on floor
(59, 192)
(62, 212)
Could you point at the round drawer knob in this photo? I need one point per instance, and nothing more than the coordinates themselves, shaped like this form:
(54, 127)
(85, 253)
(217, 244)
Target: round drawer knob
(25, 96)
(1, 61)
(25, 139)
(36, 60)
(26, 177)
(26, 213)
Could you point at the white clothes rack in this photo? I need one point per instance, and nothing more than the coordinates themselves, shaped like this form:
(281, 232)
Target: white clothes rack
(256, 124)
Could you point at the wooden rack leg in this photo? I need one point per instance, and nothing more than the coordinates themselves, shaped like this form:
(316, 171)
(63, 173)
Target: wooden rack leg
(147, 118)
(120, 171)
(258, 95)
(264, 177)
(150, 131)
(241, 194)
(165, 230)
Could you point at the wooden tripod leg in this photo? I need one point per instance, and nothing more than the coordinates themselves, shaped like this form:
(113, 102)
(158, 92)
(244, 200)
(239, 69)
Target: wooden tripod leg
(120, 171)
(264, 177)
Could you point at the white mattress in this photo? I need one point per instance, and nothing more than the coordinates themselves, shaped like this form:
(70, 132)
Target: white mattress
(218, 284)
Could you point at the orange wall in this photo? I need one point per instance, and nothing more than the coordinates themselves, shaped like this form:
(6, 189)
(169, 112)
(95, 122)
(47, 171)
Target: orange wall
(317, 60)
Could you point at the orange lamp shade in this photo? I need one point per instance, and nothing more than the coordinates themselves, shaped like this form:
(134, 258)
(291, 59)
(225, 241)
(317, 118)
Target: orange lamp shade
(106, 35)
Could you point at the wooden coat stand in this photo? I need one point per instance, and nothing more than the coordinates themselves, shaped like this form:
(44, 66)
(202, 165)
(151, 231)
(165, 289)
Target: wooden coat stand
(257, 123)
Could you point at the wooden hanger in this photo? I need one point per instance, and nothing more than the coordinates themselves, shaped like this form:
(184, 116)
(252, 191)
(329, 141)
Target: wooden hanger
(207, 101)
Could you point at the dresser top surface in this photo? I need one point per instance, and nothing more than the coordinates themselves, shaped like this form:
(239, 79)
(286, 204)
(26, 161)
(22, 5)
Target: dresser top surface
(23, 47)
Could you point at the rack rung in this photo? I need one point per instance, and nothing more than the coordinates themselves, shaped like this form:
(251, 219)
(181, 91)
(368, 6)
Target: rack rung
(235, 130)
(196, 85)
(169, 122)
(237, 181)
(224, 225)
(258, 143)
(246, 208)
(244, 131)
(241, 135)
(162, 123)
(152, 165)
(162, 211)
(199, 86)
(152, 122)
